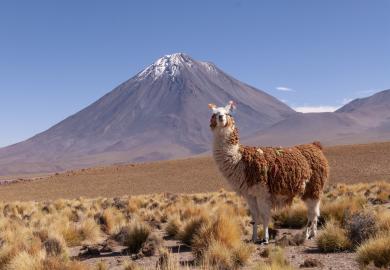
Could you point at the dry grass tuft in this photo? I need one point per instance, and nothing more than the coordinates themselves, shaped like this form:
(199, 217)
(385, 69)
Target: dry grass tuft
(71, 234)
(111, 220)
(383, 221)
(241, 254)
(218, 255)
(223, 228)
(102, 265)
(130, 265)
(173, 227)
(191, 229)
(26, 261)
(291, 217)
(338, 209)
(376, 250)
(276, 260)
(333, 239)
(218, 242)
(133, 236)
(167, 261)
(90, 232)
(56, 246)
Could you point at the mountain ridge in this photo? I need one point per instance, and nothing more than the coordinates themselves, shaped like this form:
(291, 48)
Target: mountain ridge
(362, 120)
(160, 113)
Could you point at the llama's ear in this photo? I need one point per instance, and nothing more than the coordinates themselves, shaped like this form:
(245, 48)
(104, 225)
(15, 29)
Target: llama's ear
(231, 106)
(212, 106)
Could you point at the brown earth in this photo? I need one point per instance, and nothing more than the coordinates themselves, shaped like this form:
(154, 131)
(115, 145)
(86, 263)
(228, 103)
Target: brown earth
(349, 164)
(295, 255)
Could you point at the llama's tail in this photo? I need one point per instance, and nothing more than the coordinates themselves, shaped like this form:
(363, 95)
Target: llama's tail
(318, 145)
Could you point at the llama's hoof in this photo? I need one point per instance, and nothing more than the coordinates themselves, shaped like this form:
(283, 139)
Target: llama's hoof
(260, 242)
(310, 236)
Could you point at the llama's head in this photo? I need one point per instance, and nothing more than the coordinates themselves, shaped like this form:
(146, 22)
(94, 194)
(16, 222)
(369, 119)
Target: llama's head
(222, 116)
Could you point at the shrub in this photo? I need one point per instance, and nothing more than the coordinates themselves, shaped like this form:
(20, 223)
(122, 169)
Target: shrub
(151, 245)
(166, 261)
(291, 217)
(218, 242)
(191, 228)
(173, 227)
(111, 220)
(277, 260)
(224, 229)
(133, 236)
(90, 232)
(218, 255)
(71, 234)
(241, 254)
(26, 261)
(17, 241)
(339, 208)
(55, 246)
(383, 220)
(130, 265)
(333, 239)
(102, 265)
(375, 250)
(360, 227)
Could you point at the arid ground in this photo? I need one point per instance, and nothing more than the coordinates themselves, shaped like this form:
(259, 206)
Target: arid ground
(188, 219)
(349, 164)
(194, 231)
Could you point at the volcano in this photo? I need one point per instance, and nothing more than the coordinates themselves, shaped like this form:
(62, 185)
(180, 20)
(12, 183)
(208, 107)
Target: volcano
(160, 113)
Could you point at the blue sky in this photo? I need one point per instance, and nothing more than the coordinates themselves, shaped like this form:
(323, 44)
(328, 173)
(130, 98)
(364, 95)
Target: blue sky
(56, 57)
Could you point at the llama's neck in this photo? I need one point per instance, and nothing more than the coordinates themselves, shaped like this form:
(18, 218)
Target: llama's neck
(226, 146)
(227, 155)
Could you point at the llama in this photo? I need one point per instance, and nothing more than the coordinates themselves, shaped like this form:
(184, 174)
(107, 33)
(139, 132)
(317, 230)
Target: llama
(268, 177)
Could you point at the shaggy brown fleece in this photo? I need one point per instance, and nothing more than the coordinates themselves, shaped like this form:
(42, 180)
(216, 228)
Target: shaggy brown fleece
(319, 169)
(234, 138)
(283, 171)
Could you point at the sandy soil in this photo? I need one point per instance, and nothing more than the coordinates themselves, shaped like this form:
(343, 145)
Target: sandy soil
(296, 255)
(349, 164)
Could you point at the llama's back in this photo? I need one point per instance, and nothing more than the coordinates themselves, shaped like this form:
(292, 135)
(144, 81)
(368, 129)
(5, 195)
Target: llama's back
(283, 170)
(319, 169)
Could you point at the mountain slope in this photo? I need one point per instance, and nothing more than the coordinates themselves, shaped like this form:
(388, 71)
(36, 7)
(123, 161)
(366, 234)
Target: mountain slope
(161, 113)
(373, 111)
(360, 121)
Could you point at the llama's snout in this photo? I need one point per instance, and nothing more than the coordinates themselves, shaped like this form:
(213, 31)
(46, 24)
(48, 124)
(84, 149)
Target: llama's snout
(221, 120)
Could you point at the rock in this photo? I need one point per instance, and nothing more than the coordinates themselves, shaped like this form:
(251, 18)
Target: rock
(90, 251)
(310, 263)
(264, 253)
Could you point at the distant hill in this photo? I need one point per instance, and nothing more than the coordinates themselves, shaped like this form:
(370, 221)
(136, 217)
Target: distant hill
(360, 121)
(161, 113)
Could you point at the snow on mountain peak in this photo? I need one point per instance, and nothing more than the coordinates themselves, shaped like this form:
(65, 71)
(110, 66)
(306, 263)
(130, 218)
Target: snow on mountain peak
(169, 64)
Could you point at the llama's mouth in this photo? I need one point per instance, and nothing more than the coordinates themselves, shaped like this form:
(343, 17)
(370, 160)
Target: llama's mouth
(222, 123)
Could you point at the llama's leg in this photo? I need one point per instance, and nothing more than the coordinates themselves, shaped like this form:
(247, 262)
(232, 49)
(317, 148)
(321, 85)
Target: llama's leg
(265, 213)
(313, 212)
(266, 217)
(255, 216)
